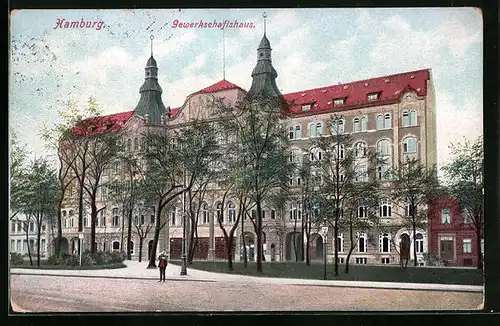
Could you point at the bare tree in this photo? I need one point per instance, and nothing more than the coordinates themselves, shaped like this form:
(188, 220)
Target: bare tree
(414, 186)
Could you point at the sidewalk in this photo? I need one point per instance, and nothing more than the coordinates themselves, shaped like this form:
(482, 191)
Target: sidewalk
(136, 270)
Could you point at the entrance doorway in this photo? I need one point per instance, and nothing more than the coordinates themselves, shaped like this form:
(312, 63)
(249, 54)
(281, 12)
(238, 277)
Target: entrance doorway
(446, 252)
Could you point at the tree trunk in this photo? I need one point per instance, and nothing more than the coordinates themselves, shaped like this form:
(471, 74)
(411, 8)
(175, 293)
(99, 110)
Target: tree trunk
(192, 243)
(335, 242)
(414, 245)
(479, 251)
(123, 228)
(259, 237)
(28, 243)
(93, 219)
(141, 240)
(152, 258)
(245, 258)
(129, 234)
(347, 259)
(302, 236)
(38, 240)
(58, 242)
(308, 244)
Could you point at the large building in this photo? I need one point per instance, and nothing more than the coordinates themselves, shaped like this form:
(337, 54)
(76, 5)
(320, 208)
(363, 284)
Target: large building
(23, 236)
(394, 115)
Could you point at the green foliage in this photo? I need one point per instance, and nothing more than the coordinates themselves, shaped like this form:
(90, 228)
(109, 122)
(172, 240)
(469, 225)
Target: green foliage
(88, 259)
(16, 259)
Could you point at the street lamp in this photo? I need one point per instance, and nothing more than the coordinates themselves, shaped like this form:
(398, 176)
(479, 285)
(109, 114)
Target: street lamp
(324, 233)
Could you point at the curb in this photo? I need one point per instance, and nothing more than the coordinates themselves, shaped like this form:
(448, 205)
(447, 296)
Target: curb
(115, 277)
(404, 288)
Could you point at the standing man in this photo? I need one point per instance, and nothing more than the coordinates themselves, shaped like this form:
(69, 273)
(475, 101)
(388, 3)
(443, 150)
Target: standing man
(163, 265)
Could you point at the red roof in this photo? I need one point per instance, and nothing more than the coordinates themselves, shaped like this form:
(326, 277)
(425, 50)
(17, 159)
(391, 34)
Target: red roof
(219, 86)
(112, 122)
(355, 94)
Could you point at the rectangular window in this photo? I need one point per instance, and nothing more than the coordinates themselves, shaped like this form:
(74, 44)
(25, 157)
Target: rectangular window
(32, 226)
(467, 245)
(360, 260)
(372, 96)
(385, 261)
(297, 132)
(384, 173)
(13, 227)
(18, 245)
(361, 173)
(12, 245)
(445, 216)
(338, 101)
(43, 245)
(273, 214)
(44, 227)
(306, 107)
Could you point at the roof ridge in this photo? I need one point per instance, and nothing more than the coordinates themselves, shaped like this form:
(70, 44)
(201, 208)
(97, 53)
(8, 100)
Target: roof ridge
(357, 81)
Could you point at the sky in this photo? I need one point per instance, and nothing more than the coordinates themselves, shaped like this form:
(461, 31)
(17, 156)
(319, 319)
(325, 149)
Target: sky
(311, 48)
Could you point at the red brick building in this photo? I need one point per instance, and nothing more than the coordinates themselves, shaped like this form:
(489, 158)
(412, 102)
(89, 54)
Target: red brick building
(451, 236)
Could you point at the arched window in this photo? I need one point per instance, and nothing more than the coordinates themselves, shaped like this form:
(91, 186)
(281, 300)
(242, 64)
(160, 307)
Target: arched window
(319, 129)
(315, 154)
(419, 241)
(363, 124)
(64, 213)
(356, 125)
(385, 244)
(315, 129)
(231, 212)
(173, 216)
(384, 148)
(406, 119)
(204, 213)
(362, 210)
(413, 118)
(337, 127)
(338, 151)
(293, 211)
(361, 242)
(116, 246)
(380, 122)
(298, 132)
(387, 121)
(131, 247)
(340, 242)
(360, 149)
(116, 218)
(409, 145)
(102, 219)
(385, 208)
(218, 209)
(294, 154)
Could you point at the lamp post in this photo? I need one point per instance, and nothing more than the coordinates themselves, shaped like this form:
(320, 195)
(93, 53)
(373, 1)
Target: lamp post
(184, 258)
(324, 231)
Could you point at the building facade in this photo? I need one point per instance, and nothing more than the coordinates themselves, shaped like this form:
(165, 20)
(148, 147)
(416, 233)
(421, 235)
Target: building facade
(394, 115)
(19, 243)
(453, 239)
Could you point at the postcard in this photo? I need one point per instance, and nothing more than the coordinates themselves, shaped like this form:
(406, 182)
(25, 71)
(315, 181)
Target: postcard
(166, 160)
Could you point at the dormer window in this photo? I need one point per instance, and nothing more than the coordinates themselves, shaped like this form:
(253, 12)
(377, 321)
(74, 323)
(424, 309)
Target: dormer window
(338, 101)
(306, 107)
(372, 96)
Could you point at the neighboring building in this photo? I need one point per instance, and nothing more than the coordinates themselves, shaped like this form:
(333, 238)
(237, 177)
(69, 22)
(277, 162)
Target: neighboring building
(394, 115)
(17, 235)
(452, 236)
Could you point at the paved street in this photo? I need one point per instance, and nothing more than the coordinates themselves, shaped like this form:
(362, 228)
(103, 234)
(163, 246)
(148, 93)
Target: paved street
(136, 289)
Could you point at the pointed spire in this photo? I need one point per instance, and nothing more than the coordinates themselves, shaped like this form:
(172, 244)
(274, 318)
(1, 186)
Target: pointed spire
(264, 15)
(264, 74)
(151, 38)
(223, 55)
(150, 105)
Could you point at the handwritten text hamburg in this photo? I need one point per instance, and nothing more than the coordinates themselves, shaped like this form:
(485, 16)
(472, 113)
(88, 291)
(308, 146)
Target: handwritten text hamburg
(212, 24)
(63, 23)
